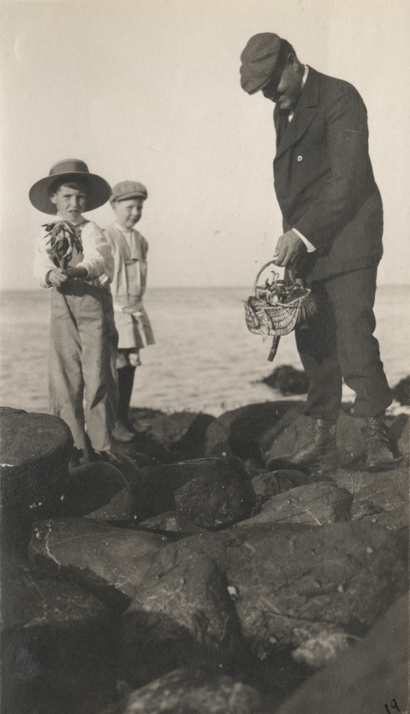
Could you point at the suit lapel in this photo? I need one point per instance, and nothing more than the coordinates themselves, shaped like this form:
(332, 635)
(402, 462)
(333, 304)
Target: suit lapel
(305, 111)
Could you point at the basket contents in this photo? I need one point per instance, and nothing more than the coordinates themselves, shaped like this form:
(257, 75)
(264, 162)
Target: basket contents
(277, 307)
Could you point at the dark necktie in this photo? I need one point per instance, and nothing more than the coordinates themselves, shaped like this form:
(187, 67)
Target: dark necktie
(283, 124)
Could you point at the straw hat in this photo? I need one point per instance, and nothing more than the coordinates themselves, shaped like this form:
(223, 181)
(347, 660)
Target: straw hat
(98, 190)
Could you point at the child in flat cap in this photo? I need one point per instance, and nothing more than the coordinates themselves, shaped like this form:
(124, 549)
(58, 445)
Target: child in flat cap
(129, 250)
(73, 260)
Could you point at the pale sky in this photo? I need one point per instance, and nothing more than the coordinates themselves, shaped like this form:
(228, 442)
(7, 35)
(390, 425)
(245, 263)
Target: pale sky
(148, 90)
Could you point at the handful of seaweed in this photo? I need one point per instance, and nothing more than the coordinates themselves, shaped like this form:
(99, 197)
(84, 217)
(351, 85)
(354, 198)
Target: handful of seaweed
(62, 241)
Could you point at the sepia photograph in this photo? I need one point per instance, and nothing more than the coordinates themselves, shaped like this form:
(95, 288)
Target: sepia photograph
(204, 356)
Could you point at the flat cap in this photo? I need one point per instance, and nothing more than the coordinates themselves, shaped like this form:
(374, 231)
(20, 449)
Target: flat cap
(128, 189)
(260, 59)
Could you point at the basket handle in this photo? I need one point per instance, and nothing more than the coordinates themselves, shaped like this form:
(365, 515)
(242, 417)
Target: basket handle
(271, 262)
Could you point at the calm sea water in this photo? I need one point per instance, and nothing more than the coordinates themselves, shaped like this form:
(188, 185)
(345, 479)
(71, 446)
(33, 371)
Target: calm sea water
(204, 359)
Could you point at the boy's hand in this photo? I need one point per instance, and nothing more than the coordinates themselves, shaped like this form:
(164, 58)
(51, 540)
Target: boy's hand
(75, 273)
(56, 277)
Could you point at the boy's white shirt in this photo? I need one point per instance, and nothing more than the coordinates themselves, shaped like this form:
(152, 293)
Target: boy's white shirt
(96, 257)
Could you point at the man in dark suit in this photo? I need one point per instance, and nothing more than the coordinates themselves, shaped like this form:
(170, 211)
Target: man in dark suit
(333, 224)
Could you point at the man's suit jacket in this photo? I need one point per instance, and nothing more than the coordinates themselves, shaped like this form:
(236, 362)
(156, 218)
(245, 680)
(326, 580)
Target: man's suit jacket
(324, 179)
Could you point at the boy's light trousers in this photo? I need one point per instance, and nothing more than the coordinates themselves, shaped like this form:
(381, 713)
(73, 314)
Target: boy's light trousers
(82, 369)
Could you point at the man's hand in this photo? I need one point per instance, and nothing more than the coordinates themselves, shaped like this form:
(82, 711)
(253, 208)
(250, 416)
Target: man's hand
(56, 277)
(288, 248)
(75, 273)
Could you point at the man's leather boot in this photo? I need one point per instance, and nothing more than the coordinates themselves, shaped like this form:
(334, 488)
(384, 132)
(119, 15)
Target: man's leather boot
(320, 451)
(379, 453)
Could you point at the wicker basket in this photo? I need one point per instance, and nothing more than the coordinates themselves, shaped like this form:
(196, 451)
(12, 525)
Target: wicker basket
(263, 318)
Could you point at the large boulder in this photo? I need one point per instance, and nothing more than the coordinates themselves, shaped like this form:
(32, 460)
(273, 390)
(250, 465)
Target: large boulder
(98, 490)
(182, 433)
(170, 522)
(104, 559)
(180, 615)
(57, 646)
(211, 492)
(382, 498)
(218, 493)
(192, 691)
(291, 583)
(35, 452)
(238, 432)
(401, 391)
(370, 677)
(288, 380)
(399, 435)
(271, 483)
(311, 504)
(350, 435)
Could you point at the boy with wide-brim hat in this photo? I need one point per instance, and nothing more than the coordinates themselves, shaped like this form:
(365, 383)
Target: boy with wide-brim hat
(73, 259)
(129, 249)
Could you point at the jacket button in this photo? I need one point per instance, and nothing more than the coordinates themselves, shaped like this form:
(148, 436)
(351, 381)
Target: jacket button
(300, 158)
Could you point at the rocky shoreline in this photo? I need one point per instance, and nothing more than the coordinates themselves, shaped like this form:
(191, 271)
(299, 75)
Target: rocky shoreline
(188, 577)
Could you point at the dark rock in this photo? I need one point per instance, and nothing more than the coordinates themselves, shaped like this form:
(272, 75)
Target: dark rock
(180, 615)
(142, 418)
(401, 392)
(144, 444)
(272, 483)
(57, 646)
(189, 691)
(288, 380)
(350, 434)
(290, 583)
(182, 433)
(383, 498)
(399, 435)
(102, 558)
(366, 677)
(35, 451)
(209, 492)
(141, 461)
(218, 493)
(98, 490)
(311, 504)
(170, 522)
(238, 432)
(269, 437)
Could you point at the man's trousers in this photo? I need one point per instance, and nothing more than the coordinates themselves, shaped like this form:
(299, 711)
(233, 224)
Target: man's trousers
(82, 369)
(339, 343)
